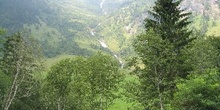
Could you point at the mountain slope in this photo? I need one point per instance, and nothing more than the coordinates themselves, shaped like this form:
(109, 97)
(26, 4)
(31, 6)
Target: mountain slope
(81, 27)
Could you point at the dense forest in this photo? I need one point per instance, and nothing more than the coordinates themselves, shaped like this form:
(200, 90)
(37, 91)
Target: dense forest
(109, 55)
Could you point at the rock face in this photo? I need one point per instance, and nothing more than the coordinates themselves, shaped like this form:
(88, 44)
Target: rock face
(206, 7)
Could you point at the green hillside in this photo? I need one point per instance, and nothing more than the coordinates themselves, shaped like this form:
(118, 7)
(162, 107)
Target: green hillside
(76, 26)
(109, 55)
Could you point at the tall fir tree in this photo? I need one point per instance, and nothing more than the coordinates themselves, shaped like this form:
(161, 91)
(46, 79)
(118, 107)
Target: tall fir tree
(161, 50)
(170, 22)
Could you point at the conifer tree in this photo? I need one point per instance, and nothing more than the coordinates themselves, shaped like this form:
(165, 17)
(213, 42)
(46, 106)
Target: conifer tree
(170, 22)
(160, 49)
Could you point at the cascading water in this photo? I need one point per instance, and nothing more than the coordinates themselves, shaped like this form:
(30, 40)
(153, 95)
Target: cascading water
(101, 6)
(102, 41)
(104, 45)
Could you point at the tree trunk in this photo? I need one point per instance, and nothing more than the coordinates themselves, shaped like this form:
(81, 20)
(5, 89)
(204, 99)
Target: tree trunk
(59, 104)
(158, 87)
(14, 87)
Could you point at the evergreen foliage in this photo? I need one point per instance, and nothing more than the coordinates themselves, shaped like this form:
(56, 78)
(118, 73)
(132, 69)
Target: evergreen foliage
(156, 77)
(203, 54)
(170, 22)
(160, 49)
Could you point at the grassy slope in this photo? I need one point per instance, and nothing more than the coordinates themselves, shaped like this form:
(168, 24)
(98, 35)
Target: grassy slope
(69, 21)
(120, 27)
(215, 30)
(51, 61)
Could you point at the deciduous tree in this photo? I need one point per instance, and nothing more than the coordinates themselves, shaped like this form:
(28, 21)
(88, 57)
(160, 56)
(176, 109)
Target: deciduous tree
(18, 63)
(82, 83)
(199, 92)
(104, 77)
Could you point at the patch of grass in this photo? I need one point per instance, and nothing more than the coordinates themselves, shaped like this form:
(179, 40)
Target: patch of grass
(51, 61)
(214, 30)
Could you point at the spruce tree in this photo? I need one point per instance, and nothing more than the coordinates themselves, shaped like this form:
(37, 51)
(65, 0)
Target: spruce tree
(170, 22)
(161, 50)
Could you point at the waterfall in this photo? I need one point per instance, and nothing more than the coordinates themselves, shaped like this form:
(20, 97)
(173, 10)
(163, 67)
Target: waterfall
(103, 44)
(101, 4)
(101, 41)
(92, 33)
(120, 61)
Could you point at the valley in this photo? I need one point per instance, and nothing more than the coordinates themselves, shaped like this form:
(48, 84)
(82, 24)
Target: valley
(78, 25)
(86, 54)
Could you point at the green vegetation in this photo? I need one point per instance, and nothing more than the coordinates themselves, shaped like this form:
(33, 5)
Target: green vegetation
(173, 55)
(200, 91)
(18, 63)
(160, 50)
(169, 54)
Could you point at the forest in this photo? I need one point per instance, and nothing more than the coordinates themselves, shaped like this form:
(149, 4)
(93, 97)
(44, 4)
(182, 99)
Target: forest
(170, 64)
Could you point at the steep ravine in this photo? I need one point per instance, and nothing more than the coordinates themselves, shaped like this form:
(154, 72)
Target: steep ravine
(101, 41)
(104, 45)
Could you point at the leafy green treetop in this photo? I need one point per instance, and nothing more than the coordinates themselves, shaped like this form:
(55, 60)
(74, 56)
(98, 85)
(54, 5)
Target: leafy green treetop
(2, 31)
(199, 92)
(82, 83)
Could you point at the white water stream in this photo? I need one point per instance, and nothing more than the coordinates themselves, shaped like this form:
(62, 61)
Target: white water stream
(101, 6)
(92, 33)
(104, 45)
(102, 42)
